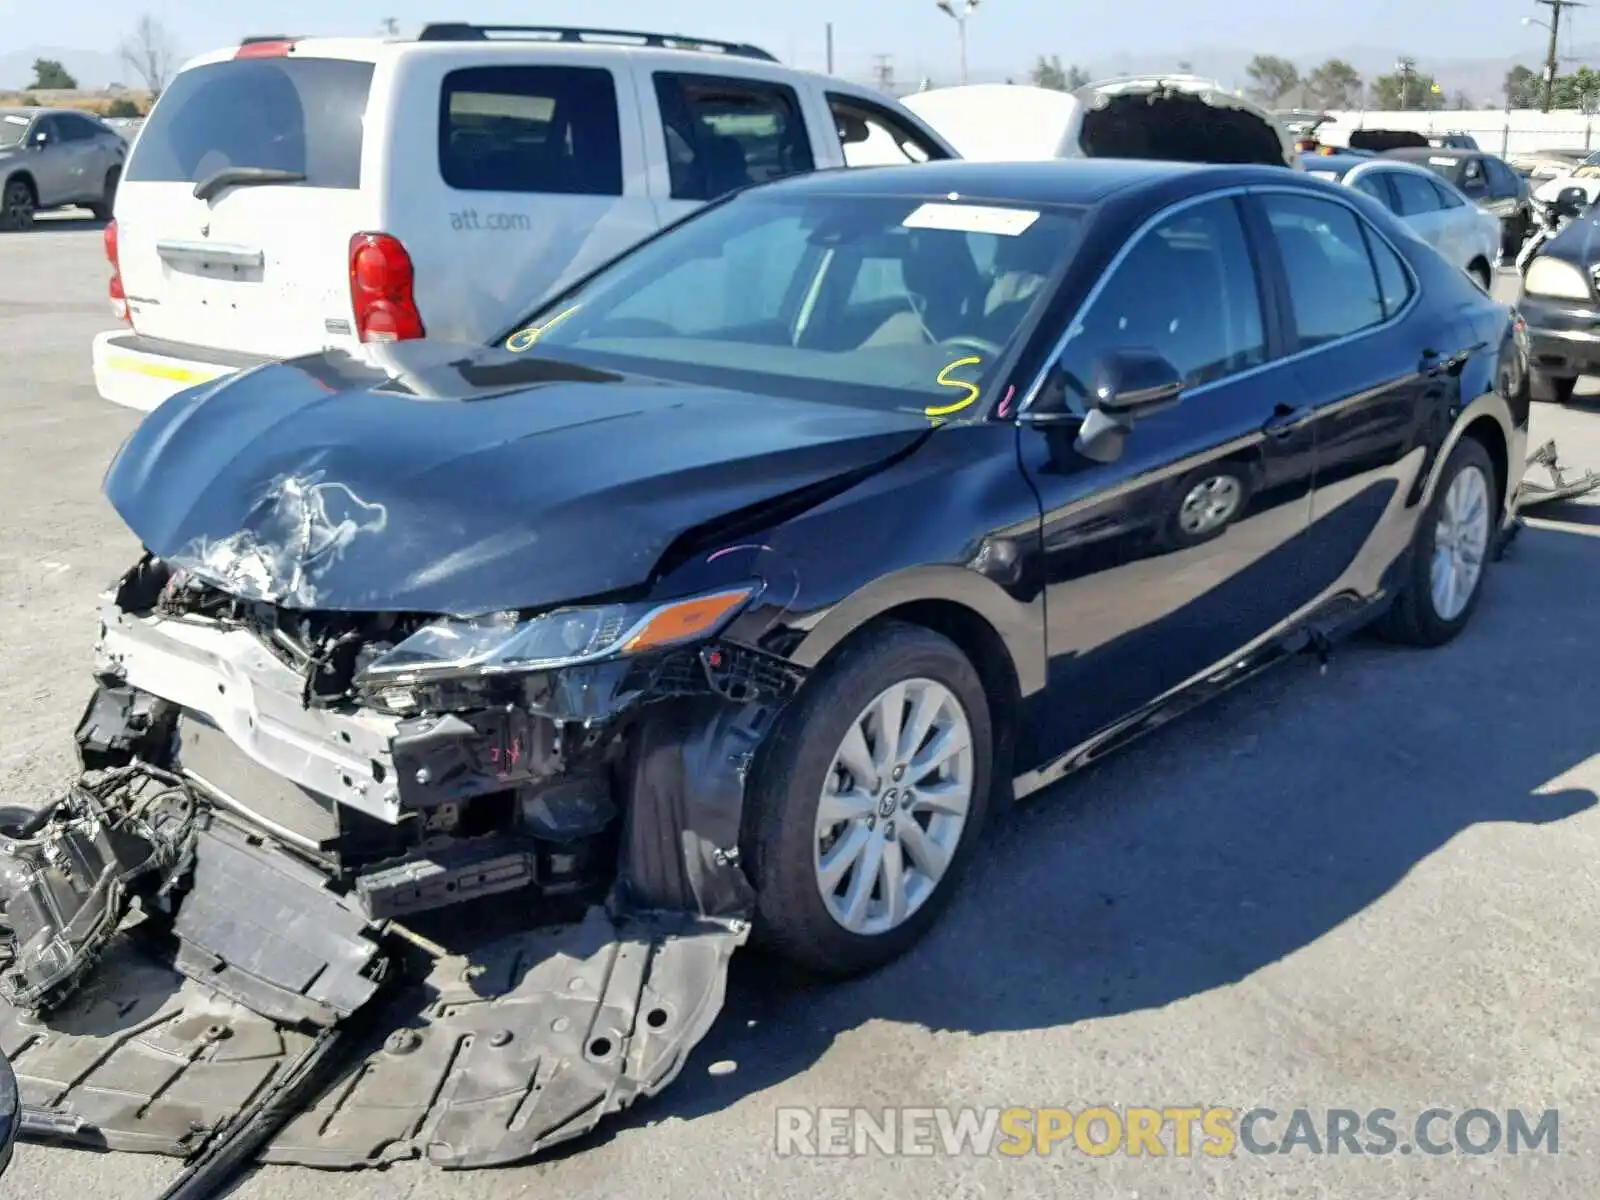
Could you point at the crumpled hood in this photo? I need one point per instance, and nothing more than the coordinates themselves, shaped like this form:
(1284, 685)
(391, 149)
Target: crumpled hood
(441, 478)
(1578, 243)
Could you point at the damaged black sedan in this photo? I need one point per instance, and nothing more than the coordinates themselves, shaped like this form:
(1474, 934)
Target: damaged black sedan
(472, 705)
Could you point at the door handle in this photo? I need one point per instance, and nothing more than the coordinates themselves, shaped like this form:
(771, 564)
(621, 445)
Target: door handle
(1285, 419)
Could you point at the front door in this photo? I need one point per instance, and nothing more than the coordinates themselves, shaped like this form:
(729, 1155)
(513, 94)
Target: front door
(1169, 560)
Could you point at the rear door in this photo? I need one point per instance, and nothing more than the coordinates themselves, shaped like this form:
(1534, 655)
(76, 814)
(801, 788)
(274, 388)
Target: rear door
(1419, 207)
(712, 133)
(262, 265)
(869, 134)
(513, 168)
(1358, 338)
(83, 156)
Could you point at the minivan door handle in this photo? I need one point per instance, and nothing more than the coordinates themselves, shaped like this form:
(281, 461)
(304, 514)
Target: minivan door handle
(1285, 419)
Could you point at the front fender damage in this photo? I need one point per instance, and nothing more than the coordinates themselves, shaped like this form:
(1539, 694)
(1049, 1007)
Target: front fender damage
(184, 978)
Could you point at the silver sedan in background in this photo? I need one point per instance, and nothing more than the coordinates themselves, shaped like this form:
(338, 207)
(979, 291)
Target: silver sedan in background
(56, 158)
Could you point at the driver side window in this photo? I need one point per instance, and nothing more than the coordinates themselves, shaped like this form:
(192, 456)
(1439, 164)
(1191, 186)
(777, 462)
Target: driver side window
(1187, 290)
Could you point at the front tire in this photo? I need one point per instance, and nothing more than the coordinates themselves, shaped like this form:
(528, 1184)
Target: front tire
(869, 801)
(1450, 552)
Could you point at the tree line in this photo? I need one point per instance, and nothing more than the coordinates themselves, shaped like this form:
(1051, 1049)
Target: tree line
(1336, 84)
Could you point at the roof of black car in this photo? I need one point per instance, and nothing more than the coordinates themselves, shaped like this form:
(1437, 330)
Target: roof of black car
(1420, 152)
(1055, 181)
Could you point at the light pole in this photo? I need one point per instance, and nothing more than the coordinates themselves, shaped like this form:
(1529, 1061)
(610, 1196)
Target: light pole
(959, 12)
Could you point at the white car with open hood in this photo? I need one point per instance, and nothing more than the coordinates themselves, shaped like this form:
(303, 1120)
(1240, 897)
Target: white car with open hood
(290, 196)
(1180, 117)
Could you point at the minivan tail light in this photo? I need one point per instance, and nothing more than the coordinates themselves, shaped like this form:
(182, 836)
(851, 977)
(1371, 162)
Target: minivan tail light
(381, 283)
(119, 297)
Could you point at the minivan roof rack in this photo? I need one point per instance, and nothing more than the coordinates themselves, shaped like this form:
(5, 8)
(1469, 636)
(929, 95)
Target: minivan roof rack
(461, 31)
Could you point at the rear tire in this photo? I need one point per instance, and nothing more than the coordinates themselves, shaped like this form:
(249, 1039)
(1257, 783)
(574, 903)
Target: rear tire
(17, 206)
(795, 849)
(108, 195)
(1456, 531)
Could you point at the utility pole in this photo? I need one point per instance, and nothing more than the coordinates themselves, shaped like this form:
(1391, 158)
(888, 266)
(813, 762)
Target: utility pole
(1406, 68)
(883, 73)
(830, 47)
(1551, 59)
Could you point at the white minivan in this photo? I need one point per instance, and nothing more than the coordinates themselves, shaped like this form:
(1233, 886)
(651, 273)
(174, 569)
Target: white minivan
(287, 196)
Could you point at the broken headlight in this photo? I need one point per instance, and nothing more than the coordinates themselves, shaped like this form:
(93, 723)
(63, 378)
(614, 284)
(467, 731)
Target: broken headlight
(506, 644)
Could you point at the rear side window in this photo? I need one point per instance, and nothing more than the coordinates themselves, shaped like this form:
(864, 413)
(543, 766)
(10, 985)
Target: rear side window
(1372, 183)
(724, 134)
(1342, 278)
(284, 114)
(871, 136)
(531, 129)
(1417, 195)
(1448, 197)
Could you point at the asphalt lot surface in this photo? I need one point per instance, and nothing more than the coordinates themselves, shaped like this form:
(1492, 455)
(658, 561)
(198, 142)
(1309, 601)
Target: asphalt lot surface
(1366, 889)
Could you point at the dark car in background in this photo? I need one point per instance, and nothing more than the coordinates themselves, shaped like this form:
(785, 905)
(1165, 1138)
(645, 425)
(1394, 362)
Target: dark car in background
(1486, 179)
(1561, 305)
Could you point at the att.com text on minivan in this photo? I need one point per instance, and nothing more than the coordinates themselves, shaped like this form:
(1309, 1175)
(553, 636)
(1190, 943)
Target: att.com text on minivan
(470, 220)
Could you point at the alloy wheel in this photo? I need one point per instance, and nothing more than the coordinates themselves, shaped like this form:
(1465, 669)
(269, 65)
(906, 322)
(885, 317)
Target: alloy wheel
(894, 806)
(1460, 543)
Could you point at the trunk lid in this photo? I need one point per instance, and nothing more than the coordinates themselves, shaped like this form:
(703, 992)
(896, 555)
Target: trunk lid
(258, 267)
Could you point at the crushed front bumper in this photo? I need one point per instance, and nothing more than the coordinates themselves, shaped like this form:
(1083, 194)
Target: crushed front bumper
(240, 994)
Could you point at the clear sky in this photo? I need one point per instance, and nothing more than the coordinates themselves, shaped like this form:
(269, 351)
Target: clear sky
(1004, 34)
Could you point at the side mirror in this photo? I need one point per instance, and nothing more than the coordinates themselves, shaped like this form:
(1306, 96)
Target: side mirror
(10, 1113)
(1570, 202)
(39, 140)
(1134, 384)
(1125, 386)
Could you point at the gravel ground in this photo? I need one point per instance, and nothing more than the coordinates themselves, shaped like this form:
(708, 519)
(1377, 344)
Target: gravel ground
(1355, 890)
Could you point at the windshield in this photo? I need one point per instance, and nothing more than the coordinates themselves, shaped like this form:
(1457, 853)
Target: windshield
(12, 126)
(909, 303)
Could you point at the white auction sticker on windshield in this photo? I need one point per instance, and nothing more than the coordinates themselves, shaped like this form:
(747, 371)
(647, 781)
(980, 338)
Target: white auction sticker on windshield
(972, 218)
(1444, 162)
(16, 120)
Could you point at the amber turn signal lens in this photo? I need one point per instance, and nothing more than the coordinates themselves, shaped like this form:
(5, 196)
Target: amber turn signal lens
(685, 620)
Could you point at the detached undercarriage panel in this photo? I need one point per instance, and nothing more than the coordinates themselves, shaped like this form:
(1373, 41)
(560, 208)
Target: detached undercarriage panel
(488, 1059)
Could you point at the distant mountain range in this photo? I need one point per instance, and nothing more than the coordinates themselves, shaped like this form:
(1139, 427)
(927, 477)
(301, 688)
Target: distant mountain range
(1481, 79)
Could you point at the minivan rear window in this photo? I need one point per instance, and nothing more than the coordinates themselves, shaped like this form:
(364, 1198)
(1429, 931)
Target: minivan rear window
(531, 129)
(287, 114)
